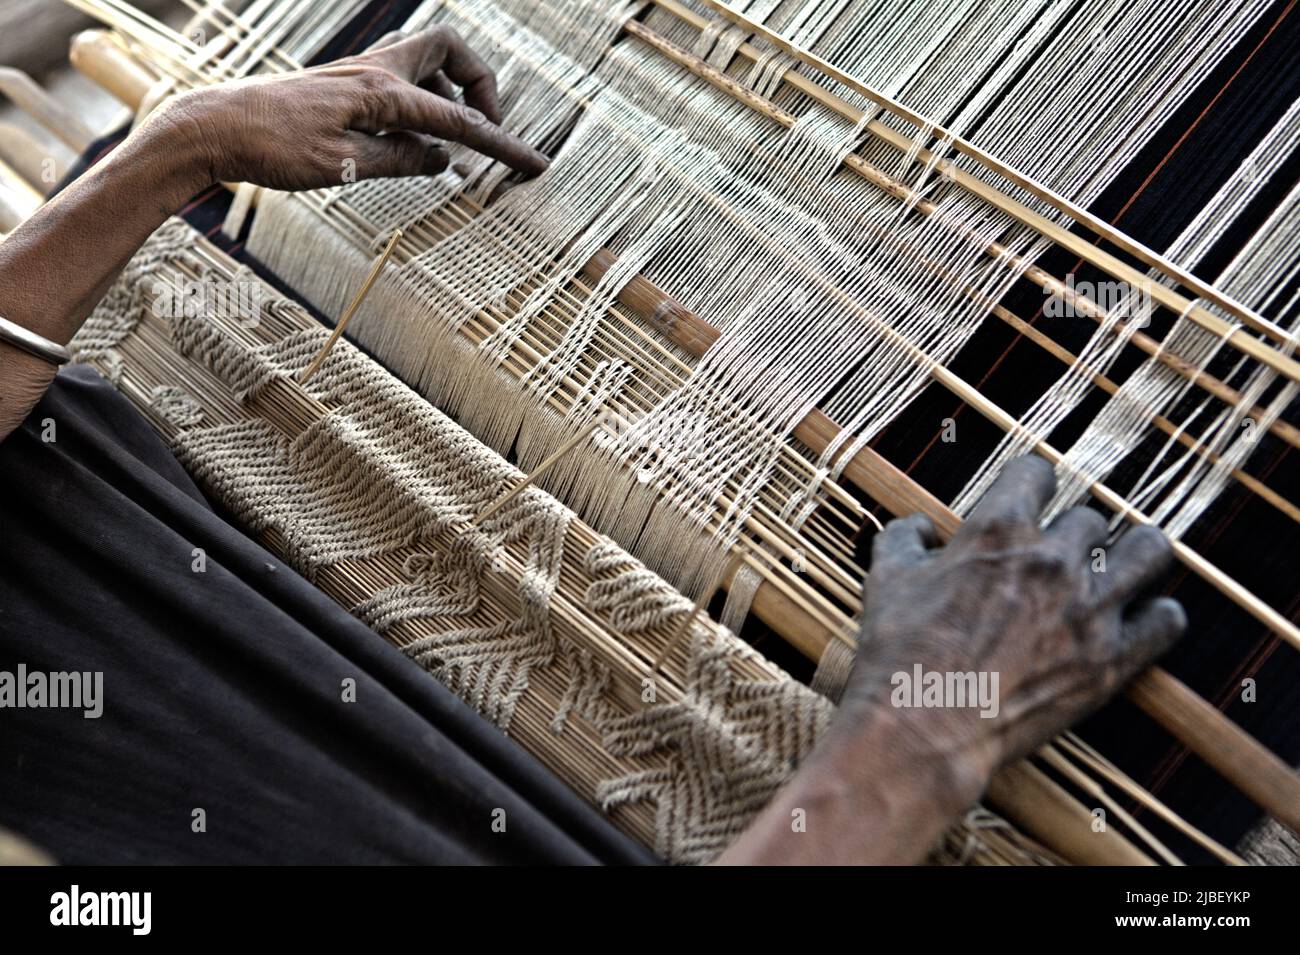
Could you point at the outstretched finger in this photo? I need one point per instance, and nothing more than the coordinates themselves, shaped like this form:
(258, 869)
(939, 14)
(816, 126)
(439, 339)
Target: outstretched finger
(411, 108)
(1137, 560)
(1010, 509)
(903, 543)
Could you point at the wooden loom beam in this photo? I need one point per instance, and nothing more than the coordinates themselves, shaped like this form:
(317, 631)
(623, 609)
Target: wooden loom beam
(899, 494)
(1226, 585)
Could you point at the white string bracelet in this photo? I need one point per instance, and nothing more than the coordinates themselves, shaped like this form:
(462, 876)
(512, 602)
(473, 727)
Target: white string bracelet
(28, 341)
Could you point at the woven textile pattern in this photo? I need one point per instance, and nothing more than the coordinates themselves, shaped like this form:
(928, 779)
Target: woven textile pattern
(383, 481)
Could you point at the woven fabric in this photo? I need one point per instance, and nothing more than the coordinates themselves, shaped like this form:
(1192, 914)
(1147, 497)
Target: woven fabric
(223, 686)
(382, 475)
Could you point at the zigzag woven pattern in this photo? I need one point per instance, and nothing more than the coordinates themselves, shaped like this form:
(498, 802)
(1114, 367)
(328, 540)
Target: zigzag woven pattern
(543, 626)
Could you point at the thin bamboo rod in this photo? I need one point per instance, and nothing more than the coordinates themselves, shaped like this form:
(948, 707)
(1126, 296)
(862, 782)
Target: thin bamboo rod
(1076, 776)
(1085, 754)
(1235, 336)
(1098, 226)
(351, 310)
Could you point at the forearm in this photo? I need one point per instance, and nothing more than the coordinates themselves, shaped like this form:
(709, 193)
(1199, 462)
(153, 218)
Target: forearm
(56, 267)
(871, 794)
(299, 130)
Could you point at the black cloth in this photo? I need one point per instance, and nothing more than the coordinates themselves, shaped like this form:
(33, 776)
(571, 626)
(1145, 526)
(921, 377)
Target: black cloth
(223, 690)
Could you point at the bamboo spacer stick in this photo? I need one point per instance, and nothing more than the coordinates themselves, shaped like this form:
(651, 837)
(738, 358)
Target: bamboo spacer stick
(541, 469)
(351, 309)
(1061, 204)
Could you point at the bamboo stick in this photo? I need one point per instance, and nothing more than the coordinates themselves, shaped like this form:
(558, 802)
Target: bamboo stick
(341, 325)
(28, 96)
(1022, 213)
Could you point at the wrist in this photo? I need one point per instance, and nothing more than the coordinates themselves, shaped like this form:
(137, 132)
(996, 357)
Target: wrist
(870, 794)
(174, 139)
(948, 768)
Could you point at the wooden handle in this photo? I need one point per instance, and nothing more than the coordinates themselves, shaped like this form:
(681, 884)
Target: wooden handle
(100, 56)
(28, 96)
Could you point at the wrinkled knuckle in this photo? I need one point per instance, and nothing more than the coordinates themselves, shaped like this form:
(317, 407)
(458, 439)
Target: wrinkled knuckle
(1103, 654)
(464, 123)
(1173, 618)
(1049, 565)
(894, 526)
(996, 528)
(1151, 541)
(919, 521)
(1036, 465)
(442, 33)
(374, 79)
(1079, 615)
(1111, 675)
(1089, 520)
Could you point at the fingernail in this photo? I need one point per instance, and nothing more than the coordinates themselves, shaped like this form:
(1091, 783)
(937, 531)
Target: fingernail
(435, 161)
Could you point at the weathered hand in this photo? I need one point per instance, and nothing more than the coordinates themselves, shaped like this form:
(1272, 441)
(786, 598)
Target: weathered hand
(379, 114)
(1008, 598)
